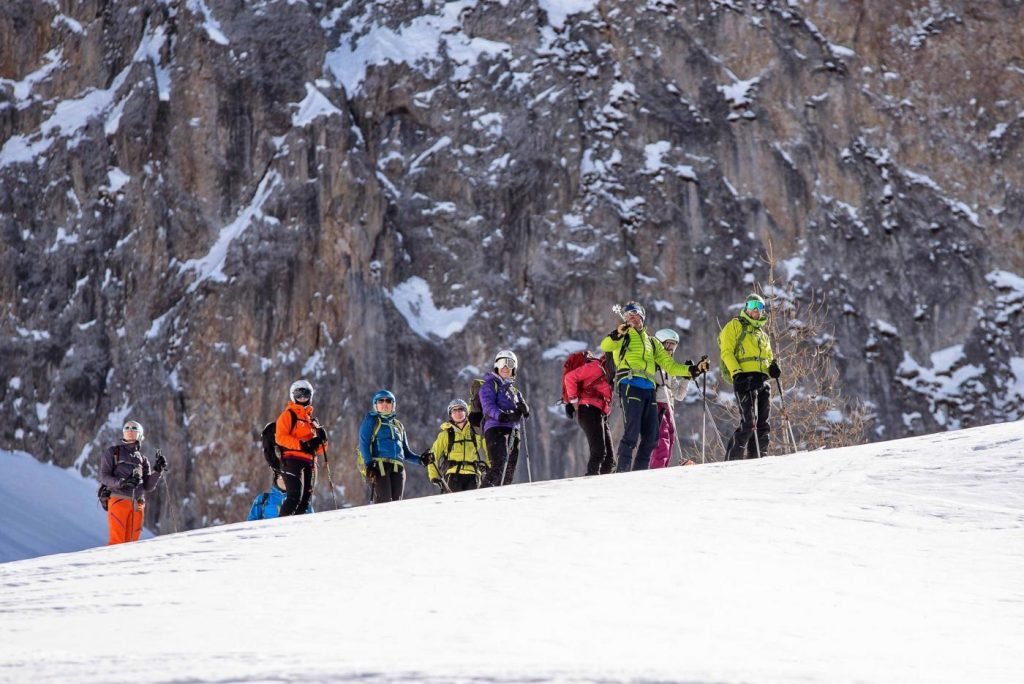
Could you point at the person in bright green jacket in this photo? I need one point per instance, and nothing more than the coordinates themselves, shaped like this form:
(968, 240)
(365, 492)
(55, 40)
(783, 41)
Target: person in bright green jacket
(637, 355)
(747, 358)
(459, 455)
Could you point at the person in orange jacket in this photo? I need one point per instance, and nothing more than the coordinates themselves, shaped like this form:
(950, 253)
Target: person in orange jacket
(301, 438)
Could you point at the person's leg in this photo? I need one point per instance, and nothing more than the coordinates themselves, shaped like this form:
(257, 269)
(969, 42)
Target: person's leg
(762, 429)
(738, 442)
(515, 441)
(608, 461)
(462, 482)
(306, 475)
(497, 451)
(118, 512)
(396, 477)
(591, 420)
(136, 518)
(648, 431)
(663, 447)
(632, 417)
(293, 484)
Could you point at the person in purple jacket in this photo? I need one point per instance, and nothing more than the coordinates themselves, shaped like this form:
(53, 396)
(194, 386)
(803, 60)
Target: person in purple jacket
(503, 408)
(126, 473)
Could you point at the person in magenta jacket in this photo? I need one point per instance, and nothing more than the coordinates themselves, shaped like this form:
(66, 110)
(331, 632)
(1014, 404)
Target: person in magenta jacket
(587, 395)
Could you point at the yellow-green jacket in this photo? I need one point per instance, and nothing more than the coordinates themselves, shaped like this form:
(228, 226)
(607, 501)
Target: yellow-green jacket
(744, 347)
(644, 354)
(467, 449)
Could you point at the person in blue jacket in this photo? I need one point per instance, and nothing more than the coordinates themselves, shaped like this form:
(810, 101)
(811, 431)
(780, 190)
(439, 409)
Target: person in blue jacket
(384, 449)
(268, 504)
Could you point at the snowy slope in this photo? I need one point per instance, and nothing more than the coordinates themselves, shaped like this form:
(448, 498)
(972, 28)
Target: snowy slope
(896, 561)
(45, 509)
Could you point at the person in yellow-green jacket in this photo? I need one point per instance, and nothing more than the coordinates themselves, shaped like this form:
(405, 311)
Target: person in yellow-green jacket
(459, 456)
(637, 355)
(748, 360)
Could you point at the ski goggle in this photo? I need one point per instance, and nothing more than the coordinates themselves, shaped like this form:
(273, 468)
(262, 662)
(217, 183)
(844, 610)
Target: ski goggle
(754, 305)
(505, 362)
(302, 393)
(458, 409)
(385, 400)
(130, 428)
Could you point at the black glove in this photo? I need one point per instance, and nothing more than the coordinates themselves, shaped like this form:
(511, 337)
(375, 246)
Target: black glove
(129, 482)
(481, 467)
(321, 435)
(311, 445)
(700, 367)
(427, 457)
(437, 483)
(160, 464)
(570, 411)
(773, 371)
(510, 416)
(523, 408)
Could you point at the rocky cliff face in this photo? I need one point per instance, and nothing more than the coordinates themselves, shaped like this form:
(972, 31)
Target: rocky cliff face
(202, 200)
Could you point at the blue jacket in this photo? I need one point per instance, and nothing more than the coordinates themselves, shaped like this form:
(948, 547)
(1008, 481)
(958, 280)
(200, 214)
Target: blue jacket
(382, 437)
(497, 395)
(268, 505)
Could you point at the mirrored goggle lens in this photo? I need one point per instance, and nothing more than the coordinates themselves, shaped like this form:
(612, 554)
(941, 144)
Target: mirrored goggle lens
(505, 363)
(758, 306)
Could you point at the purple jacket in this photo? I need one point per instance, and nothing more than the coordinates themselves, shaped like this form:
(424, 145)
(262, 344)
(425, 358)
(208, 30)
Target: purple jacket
(125, 460)
(497, 395)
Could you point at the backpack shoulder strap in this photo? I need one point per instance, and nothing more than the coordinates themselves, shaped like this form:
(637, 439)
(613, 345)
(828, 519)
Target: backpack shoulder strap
(451, 441)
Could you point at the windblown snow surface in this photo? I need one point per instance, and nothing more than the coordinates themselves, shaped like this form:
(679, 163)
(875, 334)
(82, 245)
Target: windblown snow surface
(895, 561)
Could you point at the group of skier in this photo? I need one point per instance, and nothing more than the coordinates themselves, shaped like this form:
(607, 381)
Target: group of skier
(479, 443)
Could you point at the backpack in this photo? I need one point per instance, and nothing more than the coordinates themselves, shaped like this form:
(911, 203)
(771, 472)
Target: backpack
(269, 440)
(611, 370)
(476, 410)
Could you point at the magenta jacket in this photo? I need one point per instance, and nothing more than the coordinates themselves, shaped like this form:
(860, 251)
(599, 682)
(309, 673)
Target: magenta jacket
(588, 384)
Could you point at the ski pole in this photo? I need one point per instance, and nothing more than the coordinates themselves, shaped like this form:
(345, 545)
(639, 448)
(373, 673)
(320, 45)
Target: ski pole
(327, 466)
(526, 452)
(704, 421)
(753, 408)
(785, 416)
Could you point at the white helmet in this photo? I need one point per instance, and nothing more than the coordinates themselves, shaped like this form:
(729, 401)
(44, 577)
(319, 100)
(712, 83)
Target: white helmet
(667, 335)
(303, 389)
(133, 426)
(506, 358)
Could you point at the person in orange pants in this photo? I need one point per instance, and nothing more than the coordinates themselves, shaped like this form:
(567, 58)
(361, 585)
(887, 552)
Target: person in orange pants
(126, 472)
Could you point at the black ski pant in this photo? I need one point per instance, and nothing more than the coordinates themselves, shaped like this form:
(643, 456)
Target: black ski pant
(389, 486)
(298, 483)
(753, 397)
(640, 415)
(595, 426)
(503, 451)
(461, 482)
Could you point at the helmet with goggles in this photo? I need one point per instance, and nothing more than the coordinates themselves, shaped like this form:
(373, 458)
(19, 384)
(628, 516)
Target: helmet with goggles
(667, 335)
(634, 308)
(506, 359)
(301, 392)
(134, 428)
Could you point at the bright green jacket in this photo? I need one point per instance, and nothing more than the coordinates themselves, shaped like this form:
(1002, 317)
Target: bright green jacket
(460, 456)
(744, 346)
(643, 355)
